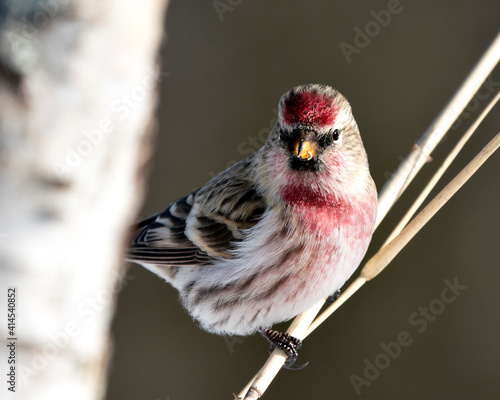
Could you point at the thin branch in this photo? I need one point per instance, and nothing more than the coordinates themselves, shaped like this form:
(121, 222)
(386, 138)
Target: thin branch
(439, 173)
(346, 294)
(276, 360)
(380, 260)
(436, 131)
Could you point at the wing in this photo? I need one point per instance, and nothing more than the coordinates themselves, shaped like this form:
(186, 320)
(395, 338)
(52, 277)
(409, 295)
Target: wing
(202, 226)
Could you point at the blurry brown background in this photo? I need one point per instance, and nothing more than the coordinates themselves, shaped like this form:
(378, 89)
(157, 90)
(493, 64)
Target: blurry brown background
(224, 80)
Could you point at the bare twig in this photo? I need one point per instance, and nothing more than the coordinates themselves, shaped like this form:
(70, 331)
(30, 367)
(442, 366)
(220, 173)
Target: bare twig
(274, 363)
(380, 260)
(436, 131)
(439, 173)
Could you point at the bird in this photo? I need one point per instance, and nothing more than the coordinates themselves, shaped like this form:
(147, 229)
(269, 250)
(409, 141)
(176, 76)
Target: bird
(276, 232)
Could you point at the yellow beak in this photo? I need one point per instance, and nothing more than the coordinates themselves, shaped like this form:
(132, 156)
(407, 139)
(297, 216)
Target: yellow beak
(304, 150)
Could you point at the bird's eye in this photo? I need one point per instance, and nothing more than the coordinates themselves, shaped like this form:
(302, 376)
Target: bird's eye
(328, 138)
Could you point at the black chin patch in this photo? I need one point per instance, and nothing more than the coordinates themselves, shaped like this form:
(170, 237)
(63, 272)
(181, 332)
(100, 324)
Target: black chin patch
(305, 165)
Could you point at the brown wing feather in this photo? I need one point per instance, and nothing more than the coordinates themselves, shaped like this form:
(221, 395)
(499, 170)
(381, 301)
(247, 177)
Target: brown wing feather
(202, 226)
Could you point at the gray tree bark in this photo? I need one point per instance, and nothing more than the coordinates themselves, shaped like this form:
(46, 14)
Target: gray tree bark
(77, 93)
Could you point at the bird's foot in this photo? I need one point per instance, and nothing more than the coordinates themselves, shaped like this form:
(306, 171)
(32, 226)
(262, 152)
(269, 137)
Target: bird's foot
(286, 342)
(333, 297)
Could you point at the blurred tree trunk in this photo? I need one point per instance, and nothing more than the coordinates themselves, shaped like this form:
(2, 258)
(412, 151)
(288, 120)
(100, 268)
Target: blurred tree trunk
(77, 93)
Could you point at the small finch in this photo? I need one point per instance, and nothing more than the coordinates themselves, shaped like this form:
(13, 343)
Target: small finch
(272, 235)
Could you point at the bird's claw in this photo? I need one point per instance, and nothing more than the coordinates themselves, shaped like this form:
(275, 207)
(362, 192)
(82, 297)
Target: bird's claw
(331, 299)
(286, 342)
